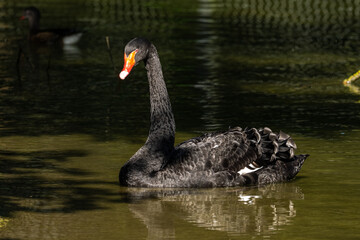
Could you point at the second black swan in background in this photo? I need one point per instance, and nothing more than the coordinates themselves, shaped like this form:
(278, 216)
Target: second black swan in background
(62, 35)
(231, 158)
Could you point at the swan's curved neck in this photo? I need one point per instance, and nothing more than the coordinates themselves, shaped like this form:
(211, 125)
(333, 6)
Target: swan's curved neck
(162, 129)
(33, 24)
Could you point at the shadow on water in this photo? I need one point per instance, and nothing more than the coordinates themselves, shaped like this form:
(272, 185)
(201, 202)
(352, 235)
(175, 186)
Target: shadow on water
(35, 182)
(259, 210)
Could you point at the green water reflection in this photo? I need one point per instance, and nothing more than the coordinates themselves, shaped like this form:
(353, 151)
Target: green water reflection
(67, 124)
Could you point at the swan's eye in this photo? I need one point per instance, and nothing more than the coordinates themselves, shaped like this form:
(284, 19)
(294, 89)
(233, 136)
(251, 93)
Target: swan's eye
(131, 53)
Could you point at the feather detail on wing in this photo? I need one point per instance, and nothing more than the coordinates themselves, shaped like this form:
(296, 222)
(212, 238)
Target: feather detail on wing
(235, 150)
(215, 152)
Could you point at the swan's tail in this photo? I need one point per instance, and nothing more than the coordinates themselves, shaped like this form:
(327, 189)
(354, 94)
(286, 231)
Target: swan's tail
(271, 146)
(280, 171)
(277, 161)
(293, 167)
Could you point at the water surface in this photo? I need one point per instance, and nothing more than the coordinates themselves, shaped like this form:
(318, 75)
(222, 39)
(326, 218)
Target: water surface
(67, 123)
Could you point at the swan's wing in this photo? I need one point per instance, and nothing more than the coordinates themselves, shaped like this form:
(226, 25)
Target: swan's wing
(228, 158)
(45, 36)
(231, 150)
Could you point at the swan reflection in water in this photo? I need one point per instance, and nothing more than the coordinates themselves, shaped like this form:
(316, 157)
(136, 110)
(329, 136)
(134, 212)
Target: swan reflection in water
(259, 210)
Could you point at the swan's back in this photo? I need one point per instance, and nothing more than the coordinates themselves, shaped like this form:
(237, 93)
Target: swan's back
(215, 152)
(215, 159)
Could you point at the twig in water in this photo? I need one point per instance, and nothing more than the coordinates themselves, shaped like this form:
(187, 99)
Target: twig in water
(18, 68)
(47, 73)
(110, 55)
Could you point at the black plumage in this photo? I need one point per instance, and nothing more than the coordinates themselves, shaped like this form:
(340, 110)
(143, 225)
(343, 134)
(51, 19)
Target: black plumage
(210, 160)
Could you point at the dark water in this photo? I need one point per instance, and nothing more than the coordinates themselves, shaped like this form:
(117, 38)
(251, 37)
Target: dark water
(67, 124)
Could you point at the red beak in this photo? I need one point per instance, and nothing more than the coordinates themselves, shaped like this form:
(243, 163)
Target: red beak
(22, 17)
(129, 62)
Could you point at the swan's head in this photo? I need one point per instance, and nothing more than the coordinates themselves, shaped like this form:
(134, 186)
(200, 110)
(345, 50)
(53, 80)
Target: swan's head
(135, 51)
(31, 13)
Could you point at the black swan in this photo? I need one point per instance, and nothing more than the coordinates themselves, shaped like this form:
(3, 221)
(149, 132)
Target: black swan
(222, 159)
(65, 36)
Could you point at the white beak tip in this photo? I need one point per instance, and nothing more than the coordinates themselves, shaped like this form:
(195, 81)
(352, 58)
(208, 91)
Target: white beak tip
(123, 74)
